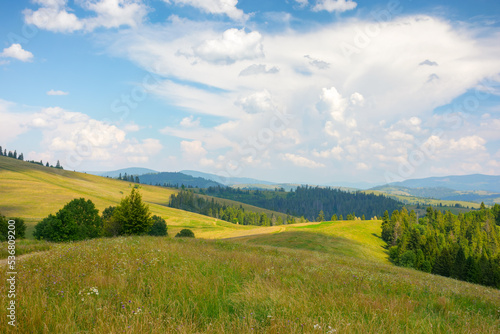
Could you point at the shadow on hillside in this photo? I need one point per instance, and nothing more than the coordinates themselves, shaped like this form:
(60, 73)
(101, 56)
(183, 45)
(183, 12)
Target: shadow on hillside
(308, 241)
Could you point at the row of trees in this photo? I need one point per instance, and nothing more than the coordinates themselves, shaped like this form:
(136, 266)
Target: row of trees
(188, 201)
(309, 201)
(80, 220)
(14, 155)
(465, 247)
(130, 178)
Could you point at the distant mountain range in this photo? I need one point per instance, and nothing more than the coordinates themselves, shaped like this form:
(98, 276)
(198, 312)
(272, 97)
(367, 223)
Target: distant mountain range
(475, 188)
(129, 171)
(474, 182)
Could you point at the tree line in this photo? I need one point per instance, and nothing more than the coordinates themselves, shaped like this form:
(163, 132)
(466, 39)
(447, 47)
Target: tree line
(80, 220)
(309, 201)
(188, 201)
(20, 156)
(464, 247)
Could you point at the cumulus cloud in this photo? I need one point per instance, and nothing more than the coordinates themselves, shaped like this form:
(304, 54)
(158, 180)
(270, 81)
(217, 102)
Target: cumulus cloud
(57, 92)
(54, 15)
(301, 161)
(340, 106)
(227, 7)
(334, 5)
(16, 51)
(257, 102)
(234, 45)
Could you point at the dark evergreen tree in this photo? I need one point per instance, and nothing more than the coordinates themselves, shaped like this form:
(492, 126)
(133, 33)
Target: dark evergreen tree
(21, 157)
(133, 215)
(15, 154)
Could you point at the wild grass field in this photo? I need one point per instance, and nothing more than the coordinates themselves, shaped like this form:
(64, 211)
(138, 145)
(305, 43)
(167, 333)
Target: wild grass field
(169, 285)
(330, 277)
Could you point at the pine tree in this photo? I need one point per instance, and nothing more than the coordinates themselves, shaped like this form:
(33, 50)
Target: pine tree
(321, 216)
(137, 179)
(15, 154)
(471, 270)
(459, 268)
(334, 217)
(1, 151)
(58, 165)
(133, 214)
(21, 156)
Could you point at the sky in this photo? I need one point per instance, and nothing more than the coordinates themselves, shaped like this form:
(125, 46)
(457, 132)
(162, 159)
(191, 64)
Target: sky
(310, 91)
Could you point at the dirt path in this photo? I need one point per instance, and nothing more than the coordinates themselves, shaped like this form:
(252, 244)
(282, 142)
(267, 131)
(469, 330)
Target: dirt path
(3, 262)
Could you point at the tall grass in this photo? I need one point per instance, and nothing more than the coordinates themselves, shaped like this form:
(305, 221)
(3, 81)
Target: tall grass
(166, 285)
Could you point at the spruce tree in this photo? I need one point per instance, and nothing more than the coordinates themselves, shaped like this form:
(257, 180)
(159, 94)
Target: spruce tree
(133, 215)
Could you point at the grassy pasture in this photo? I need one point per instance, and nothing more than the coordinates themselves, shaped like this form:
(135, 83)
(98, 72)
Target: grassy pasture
(33, 192)
(167, 285)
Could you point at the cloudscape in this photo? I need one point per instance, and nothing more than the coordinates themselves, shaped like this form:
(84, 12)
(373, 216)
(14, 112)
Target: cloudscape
(314, 91)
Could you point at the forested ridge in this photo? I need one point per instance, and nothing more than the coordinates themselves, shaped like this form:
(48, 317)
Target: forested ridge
(308, 201)
(465, 247)
(188, 201)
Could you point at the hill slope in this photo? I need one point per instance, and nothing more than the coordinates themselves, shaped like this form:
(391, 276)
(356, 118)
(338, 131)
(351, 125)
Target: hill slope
(167, 285)
(33, 191)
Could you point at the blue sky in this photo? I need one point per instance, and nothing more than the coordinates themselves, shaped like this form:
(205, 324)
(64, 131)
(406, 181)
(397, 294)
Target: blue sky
(316, 91)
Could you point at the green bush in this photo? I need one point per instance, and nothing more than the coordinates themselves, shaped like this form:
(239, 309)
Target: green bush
(408, 259)
(159, 227)
(185, 233)
(77, 220)
(20, 228)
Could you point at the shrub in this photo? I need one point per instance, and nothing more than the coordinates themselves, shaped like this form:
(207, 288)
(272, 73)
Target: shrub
(407, 259)
(77, 220)
(110, 227)
(185, 233)
(159, 227)
(20, 227)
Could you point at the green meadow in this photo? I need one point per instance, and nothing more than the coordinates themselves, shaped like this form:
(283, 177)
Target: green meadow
(329, 277)
(33, 192)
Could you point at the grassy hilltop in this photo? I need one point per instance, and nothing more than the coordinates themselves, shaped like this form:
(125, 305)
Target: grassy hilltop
(33, 192)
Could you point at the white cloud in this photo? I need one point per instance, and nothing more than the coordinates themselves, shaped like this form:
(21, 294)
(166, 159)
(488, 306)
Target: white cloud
(379, 93)
(302, 3)
(257, 102)
(16, 51)
(227, 7)
(300, 161)
(54, 15)
(335, 152)
(234, 45)
(334, 5)
(190, 122)
(362, 166)
(56, 92)
(334, 103)
(193, 150)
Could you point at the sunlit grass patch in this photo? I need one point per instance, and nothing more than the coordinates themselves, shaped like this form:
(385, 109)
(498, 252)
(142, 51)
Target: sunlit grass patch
(167, 285)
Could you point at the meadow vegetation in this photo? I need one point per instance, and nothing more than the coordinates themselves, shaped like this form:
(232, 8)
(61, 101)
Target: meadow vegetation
(183, 285)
